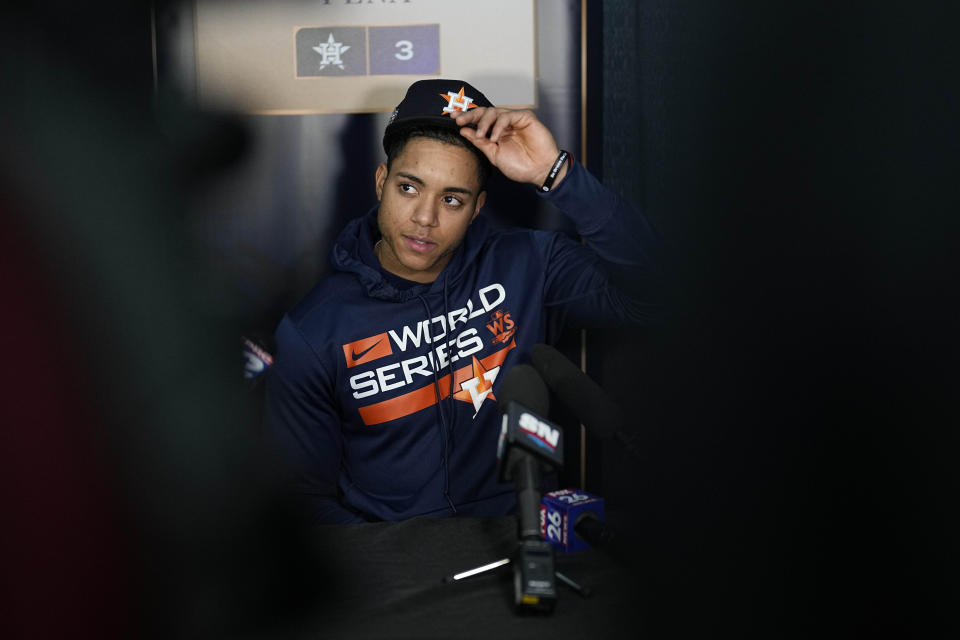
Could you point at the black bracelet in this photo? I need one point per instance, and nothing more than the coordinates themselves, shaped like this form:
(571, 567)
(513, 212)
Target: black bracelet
(554, 170)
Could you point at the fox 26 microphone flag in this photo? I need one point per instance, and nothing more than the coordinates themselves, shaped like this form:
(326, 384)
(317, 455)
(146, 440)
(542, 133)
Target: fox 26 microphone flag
(566, 514)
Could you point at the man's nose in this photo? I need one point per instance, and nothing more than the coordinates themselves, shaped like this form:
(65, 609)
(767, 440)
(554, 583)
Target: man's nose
(426, 213)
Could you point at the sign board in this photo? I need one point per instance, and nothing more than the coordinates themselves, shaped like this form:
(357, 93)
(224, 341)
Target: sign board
(359, 56)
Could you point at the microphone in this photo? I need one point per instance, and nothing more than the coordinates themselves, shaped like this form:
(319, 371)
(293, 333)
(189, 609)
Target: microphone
(590, 404)
(256, 359)
(529, 443)
(572, 520)
(524, 384)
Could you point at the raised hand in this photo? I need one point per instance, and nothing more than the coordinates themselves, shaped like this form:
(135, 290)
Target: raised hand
(514, 141)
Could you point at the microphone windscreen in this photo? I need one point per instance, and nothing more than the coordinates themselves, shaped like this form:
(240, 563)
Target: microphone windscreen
(593, 530)
(523, 384)
(591, 405)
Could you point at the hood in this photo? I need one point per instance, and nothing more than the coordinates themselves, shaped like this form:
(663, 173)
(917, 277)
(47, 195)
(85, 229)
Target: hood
(353, 253)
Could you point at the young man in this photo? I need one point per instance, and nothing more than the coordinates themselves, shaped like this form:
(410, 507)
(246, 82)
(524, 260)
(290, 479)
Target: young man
(383, 393)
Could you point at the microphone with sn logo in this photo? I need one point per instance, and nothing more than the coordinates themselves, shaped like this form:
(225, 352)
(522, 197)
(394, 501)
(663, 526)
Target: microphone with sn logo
(529, 444)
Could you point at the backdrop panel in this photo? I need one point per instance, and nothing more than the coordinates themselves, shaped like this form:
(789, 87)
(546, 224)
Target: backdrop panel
(332, 57)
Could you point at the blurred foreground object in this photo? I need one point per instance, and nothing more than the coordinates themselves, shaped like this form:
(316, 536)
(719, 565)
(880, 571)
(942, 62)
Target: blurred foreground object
(140, 501)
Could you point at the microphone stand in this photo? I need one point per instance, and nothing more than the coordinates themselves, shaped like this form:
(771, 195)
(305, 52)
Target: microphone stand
(582, 590)
(533, 571)
(533, 558)
(527, 444)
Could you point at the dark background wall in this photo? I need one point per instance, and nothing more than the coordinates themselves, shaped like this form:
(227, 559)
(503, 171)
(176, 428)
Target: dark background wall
(796, 417)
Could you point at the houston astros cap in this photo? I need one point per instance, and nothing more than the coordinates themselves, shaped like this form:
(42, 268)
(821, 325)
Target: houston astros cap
(431, 102)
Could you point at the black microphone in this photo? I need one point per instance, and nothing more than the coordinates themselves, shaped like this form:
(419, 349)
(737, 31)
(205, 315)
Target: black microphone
(593, 530)
(524, 384)
(529, 443)
(590, 404)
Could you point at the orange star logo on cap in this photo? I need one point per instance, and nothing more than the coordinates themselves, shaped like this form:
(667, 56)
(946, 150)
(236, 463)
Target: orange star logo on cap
(457, 101)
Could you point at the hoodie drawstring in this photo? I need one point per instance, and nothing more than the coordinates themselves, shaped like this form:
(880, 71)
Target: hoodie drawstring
(443, 421)
(446, 314)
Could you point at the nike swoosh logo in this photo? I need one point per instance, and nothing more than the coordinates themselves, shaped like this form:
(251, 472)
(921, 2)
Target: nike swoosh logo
(356, 356)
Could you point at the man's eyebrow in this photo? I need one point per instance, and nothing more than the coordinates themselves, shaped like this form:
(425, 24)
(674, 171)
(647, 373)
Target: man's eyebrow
(413, 178)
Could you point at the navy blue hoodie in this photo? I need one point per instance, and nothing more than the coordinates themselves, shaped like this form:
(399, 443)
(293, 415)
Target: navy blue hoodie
(352, 396)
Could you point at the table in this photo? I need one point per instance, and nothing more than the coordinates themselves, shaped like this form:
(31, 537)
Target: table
(385, 580)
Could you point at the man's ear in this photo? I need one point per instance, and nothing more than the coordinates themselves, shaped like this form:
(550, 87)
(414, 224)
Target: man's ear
(481, 199)
(381, 178)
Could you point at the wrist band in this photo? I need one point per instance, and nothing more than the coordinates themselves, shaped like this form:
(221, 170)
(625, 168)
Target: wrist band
(554, 170)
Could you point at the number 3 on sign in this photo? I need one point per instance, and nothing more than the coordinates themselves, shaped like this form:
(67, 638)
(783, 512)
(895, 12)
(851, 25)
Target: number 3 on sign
(406, 50)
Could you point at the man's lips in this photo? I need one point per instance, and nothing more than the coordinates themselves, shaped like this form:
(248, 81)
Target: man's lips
(419, 244)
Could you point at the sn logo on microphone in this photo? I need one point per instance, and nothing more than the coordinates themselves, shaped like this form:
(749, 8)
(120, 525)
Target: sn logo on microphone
(542, 434)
